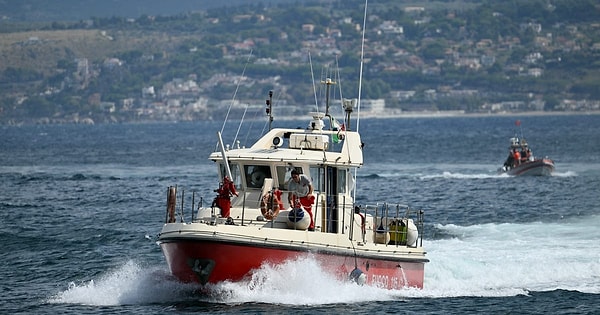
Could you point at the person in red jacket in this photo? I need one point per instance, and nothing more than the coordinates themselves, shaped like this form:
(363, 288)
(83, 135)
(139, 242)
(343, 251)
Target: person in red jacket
(516, 157)
(223, 199)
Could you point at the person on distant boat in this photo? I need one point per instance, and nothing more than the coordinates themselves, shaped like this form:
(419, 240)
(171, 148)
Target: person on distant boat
(516, 157)
(523, 154)
(509, 160)
(300, 191)
(529, 155)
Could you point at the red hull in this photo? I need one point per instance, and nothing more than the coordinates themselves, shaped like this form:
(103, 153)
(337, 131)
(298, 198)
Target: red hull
(211, 262)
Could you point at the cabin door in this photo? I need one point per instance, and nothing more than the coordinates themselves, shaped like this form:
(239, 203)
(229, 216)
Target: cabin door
(331, 187)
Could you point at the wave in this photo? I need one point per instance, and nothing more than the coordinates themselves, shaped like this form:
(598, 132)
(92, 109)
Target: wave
(97, 172)
(451, 175)
(565, 174)
(437, 174)
(491, 260)
(460, 171)
(372, 176)
(513, 258)
(131, 283)
(291, 283)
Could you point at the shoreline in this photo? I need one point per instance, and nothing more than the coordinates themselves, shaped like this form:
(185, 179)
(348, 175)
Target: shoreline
(363, 115)
(448, 114)
(457, 114)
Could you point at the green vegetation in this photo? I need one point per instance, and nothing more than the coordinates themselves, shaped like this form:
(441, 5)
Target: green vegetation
(505, 51)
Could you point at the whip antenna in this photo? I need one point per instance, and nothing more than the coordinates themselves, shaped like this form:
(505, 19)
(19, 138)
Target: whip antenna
(362, 58)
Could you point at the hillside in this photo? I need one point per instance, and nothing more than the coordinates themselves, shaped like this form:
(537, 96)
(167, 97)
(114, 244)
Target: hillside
(471, 56)
(75, 10)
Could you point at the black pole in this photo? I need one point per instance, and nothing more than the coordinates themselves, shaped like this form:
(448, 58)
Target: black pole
(270, 108)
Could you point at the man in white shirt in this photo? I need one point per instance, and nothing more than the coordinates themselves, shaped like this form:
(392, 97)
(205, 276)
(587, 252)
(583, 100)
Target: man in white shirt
(300, 191)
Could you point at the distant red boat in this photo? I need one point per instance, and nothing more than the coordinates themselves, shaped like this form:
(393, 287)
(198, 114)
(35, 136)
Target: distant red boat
(521, 162)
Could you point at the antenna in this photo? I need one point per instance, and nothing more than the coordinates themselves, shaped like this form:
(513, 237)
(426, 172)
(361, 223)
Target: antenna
(362, 57)
(328, 82)
(312, 73)
(269, 109)
(234, 95)
(362, 54)
(239, 127)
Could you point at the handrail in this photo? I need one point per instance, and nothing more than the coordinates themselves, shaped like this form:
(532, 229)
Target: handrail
(392, 217)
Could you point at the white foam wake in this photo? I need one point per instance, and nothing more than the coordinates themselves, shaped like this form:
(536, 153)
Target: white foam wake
(480, 260)
(513, 258)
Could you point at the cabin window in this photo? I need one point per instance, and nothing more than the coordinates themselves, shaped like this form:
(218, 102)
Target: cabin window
(317, 176)
(235, 173)
(256, 174)
(341, 181)
(283, 176)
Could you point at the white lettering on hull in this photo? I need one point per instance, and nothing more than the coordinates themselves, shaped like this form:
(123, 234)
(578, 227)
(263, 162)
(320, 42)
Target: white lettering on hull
(384, 281)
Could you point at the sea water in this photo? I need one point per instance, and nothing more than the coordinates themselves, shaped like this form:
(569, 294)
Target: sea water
(82, 207)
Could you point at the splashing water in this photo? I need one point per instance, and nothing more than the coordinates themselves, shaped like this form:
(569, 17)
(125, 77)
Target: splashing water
(480, 260)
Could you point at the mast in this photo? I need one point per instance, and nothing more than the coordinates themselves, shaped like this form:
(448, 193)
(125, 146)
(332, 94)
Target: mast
(224, 156)
(328, 82)
(269, 109)
(362, 61)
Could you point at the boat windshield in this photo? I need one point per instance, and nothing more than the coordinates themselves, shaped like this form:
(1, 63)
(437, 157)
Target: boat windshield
(256, 174)
(235, 173)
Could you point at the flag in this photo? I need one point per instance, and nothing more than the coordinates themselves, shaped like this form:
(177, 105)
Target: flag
(335, 124)
(340, 129)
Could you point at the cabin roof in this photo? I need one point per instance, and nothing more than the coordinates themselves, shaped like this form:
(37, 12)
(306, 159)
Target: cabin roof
(347, 152)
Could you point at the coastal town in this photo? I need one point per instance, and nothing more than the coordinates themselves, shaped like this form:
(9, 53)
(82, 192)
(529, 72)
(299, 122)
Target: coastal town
(427, 62)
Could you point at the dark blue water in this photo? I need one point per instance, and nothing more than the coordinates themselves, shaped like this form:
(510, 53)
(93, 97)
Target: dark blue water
(81, 207)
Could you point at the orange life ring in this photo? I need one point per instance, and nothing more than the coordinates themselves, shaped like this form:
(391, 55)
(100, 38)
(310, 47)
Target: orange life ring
(269, 205)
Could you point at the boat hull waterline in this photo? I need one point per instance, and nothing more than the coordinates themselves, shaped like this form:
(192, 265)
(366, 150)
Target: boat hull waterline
(205, 261)
(539, 167)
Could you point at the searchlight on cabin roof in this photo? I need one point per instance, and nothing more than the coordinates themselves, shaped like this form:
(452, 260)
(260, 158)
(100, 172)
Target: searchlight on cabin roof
(317, 121)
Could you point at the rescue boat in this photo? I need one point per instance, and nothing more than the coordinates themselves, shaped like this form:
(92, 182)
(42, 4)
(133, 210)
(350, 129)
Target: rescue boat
(251, 223)
(522, 162)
